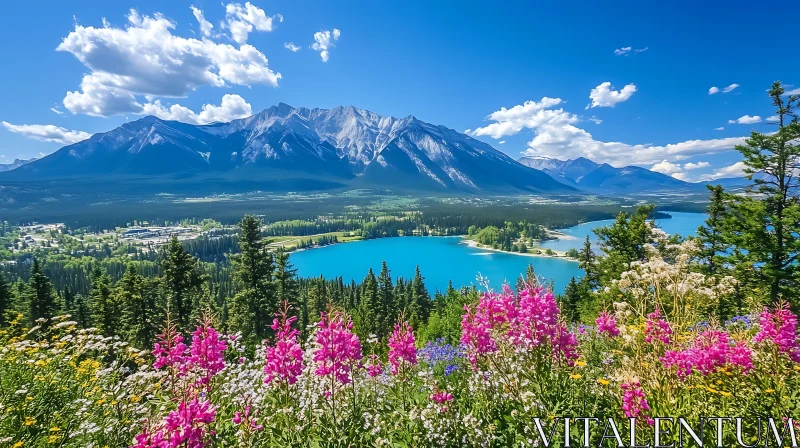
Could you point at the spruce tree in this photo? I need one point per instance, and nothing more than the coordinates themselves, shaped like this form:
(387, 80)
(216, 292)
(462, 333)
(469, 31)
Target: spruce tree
(768, 217)
(587, 261)
(388, 312)
(137, 297)
(369, 307)
(286, 288)
(571, 299)
(40, 296)
(255, 304)
(711, 235)
(421, 299)
(182, 282)
(5, 299)
(80, 311)
(103, 303)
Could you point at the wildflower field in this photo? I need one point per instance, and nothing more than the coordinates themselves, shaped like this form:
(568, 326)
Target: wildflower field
(518, 370)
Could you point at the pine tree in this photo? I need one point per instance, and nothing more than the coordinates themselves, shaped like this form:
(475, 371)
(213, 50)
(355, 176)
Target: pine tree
(587, 260)
(68, 299)
(712, 235)
(40, 296)
(182, 282)
(369, 307)
(104, 306)
(767, 219)
(420, 298)
(80, 312)
(137, 297)
(286, 288)
(624, 242)
(5, 299)
(388, 312)
(571, 299)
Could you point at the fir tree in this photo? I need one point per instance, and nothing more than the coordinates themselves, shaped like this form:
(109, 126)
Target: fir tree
(386, 302)
(767, 219)
(369, 306)
(587, 261)
(182, 283)
(104, 306)
(255, 304)
(5, 299)
(712, 235)
(571, 299)
(81, 313)
(286, 288)
(137, 297)
(40, 296)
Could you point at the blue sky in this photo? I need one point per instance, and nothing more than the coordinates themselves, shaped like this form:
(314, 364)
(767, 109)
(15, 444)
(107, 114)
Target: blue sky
(88, 66)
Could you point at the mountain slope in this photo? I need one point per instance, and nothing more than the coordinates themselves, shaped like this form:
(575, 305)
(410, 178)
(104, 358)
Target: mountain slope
(589, 176)
(349, 145)
(15, 164)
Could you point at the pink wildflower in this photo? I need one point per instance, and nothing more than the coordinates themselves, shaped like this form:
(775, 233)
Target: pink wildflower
(607, 324)
(656, 328)
(207, 350)
(284, 360)
(374, 367)
(187, 425)
(492, 313)
(250, 420)
(401, 347)
(147, 439)
(441, 398)
(634, 403)
(780, 328)
(170, 351)
(742, 356)
(709, 351)
(339, 347)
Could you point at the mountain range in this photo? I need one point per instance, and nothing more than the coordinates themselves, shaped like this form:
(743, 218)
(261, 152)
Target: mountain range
(344, 146)
(14, 165)
(291, 149)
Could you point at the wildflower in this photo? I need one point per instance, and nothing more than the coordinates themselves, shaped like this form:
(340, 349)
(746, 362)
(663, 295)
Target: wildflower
(187, 424)
(374, 367)
(656, 328)
(249, 419)
(401, 347)
(442, 397)
(284, 361)
(338, 348)
(207, 349)
(575, 376)
(602, 381)
(30, 421)
(779, 327)
(607, 324)
(170, 351)
(634, 403)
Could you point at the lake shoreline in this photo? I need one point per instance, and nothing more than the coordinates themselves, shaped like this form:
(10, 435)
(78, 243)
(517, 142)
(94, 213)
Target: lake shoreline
(558, 255)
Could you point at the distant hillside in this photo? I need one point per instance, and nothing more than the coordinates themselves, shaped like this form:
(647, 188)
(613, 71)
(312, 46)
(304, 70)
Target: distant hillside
(340, 147)
(15, 164)
(589, 176)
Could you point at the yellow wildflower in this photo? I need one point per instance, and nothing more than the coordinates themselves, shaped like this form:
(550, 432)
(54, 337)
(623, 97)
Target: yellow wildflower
(17, 445)
(575, 376)
(769, 391)
(602, 381)
(30, 421)
(580, 363)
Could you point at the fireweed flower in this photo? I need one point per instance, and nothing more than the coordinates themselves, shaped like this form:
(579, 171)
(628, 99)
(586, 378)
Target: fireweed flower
(339, 347)
(207, 350)
(607, 324)
(169, 350)
(284, 361)
(401, 347)
(656, 328)
(187, 425)
(248, 418)
(492, 313)
(634, 403)
(709, 351)
(374, 367)
(780, 328)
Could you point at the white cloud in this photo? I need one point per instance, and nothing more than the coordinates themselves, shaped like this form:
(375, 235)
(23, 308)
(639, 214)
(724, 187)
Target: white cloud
(231, 108)
(47, 133)
(622, 51)
(146, 59)
(241, 20)
(773, 119)
(641, 50)
(324, 42)
(501, 142)
(530, 115)
(721, 128)
(792, 92)
(557, 136)
(713, 90)
(680, 176)
(595, 120)
(696, 166)
(746, 119)
(665, 167)
(291, 47)
(604, 96)
(730, 88)
(205, 25)
(54, 110)
(735, 170)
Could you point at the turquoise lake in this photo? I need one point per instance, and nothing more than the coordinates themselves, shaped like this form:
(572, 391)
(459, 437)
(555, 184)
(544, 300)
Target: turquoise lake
(442, 259)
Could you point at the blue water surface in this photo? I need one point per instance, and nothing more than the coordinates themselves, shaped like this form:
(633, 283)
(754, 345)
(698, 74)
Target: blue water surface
(442, 259)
